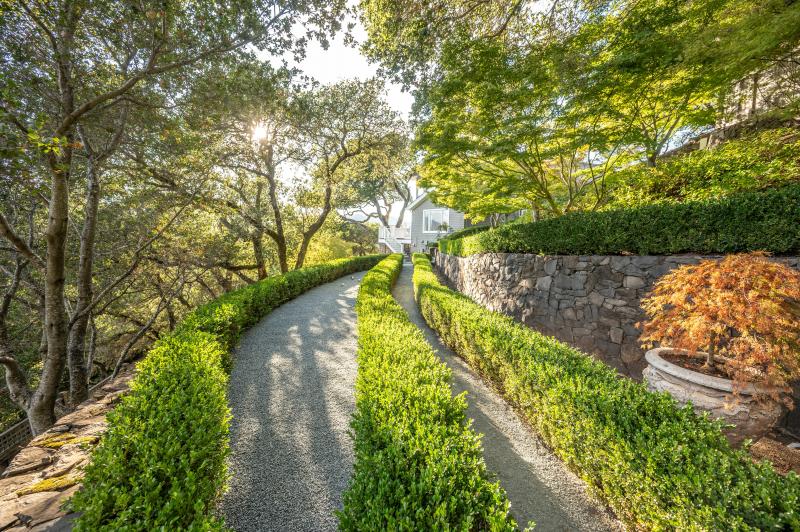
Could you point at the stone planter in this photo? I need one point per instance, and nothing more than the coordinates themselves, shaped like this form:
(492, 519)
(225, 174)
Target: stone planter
(752, 419)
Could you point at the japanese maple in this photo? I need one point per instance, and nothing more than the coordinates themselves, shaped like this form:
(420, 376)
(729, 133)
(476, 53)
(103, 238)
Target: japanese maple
(742, 313)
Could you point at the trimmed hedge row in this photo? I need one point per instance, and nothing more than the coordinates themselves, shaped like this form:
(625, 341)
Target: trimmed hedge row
(161, 464)
(418, 464)
(748, 221)
(659, 466)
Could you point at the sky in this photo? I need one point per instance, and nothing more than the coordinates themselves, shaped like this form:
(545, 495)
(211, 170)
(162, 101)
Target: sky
(341, 61)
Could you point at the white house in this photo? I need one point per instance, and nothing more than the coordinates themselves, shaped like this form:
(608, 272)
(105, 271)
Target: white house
(429, 222)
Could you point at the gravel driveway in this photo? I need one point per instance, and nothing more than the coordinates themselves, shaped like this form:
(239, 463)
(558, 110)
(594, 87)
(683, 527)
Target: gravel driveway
(292, 395)
(538, 484)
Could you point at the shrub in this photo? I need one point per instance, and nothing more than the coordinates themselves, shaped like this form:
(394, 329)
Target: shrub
(418, 464)
(658, 465)
(748, 221)
(757, 161)
(473, 230)
(161, 464)
(742, 311)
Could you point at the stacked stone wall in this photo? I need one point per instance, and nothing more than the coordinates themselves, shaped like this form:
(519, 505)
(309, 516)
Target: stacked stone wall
(590, 301)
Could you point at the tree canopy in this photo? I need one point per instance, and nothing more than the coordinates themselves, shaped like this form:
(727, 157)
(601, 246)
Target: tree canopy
(530, 104)
(153, 159)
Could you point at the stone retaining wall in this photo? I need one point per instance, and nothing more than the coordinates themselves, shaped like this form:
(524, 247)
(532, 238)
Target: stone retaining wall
(591, 301)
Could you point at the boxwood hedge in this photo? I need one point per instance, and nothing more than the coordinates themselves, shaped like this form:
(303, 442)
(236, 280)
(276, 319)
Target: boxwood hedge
(747, 221)
(161, 464)
(418, 464)
(659, 466)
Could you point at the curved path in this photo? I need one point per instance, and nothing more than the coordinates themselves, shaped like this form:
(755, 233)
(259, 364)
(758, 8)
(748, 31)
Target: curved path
(538, 484)
(292, 395)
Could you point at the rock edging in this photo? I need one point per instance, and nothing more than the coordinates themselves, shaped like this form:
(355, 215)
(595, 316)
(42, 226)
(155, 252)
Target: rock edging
(48, 471)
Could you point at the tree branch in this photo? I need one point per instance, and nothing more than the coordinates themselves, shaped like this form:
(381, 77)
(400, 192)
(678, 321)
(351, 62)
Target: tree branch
(9, 234)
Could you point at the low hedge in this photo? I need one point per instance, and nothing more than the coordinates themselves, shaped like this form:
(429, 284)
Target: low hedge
(161, 464)
(748, 221)
(659, 466)
(418, 465)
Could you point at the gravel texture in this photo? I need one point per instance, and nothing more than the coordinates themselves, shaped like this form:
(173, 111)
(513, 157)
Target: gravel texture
(538, 484)
(292, 395)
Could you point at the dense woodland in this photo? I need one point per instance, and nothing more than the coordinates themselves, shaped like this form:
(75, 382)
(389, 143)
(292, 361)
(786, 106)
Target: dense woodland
(152, 159)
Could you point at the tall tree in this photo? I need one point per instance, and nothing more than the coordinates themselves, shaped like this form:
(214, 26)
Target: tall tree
(380, 184)
(67, 63)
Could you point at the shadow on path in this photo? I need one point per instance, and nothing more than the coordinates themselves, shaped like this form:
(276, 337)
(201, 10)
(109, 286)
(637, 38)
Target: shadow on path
(538, 484)
(292, 395)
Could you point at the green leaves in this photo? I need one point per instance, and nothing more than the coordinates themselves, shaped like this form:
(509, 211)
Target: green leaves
(418, 464)
(524, 107)
(162, 461)
(756, 161)
(659, 466)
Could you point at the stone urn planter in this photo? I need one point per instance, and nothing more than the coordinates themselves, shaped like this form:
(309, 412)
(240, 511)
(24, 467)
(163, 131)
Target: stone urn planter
(751, 418)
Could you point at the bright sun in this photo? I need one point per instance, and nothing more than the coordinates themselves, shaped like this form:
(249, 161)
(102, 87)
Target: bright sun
(259, 132)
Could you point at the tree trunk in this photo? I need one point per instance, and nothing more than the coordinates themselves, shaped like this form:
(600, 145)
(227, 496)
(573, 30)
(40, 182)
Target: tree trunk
(279, 235)
(78, 381)
(754, 97)
(258, 253)
(41, 413)
(312, 230)
(92, 349)
(710, 357)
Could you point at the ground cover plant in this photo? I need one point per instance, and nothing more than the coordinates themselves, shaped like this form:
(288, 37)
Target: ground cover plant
(161, 464)
(747, 221)
(418, 464)
(659, 466)
(756, 161)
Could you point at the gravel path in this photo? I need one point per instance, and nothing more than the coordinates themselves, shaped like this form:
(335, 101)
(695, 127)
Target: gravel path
(538, 484)
(292, 395)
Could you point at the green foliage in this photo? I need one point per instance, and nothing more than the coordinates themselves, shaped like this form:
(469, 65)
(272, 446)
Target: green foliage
(766, 159)
(659, 466)
(523, 107)
(461, 233)
(747, 221)
(161, 465)
(418, 465)
(230, 314)
(162, 461)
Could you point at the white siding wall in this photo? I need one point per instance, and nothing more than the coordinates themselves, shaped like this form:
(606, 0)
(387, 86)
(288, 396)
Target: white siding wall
(420, 239)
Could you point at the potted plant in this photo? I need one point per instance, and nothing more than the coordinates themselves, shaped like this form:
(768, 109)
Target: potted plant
(729, 332)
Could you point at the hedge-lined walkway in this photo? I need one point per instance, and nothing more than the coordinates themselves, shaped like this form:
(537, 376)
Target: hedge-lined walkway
(291, 395)
(538, 485)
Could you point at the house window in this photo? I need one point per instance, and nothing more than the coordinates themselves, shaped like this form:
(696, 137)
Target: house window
(435, 221)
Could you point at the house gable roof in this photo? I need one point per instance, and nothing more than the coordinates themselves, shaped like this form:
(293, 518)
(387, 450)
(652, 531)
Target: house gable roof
(417, 202)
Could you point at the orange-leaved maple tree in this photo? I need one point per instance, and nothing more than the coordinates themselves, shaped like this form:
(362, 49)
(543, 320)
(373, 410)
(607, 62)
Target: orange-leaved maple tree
(742, 313)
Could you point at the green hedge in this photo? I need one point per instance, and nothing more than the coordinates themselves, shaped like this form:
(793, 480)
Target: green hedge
(767, 220)
(418, 464)
(659, 466)
(161, 464)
